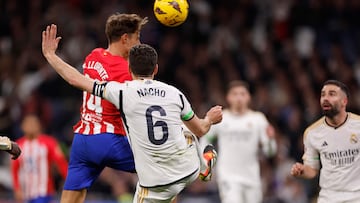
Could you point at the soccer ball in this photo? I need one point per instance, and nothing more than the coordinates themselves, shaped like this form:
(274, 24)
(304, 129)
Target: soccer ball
(171, 12)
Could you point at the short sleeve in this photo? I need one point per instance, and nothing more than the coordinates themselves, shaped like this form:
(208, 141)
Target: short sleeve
(311, 156)
(112, 93)
(186, 111)
(269, 146)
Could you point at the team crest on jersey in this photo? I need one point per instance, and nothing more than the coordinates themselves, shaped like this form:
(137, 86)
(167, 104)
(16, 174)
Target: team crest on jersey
(353, 139)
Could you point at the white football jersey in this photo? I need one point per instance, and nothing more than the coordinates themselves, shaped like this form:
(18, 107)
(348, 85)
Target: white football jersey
(239, 138)
(337, 150)
(153, 113)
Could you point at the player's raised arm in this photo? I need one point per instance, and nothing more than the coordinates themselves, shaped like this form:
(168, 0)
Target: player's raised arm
(201, 126)
(49, 45)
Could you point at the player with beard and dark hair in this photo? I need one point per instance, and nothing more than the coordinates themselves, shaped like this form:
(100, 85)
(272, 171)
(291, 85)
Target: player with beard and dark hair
(332, 146)
(331, 110)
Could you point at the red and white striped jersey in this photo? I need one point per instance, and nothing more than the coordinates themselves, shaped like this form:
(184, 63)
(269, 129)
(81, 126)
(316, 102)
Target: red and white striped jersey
(98, 115)
(31, 172)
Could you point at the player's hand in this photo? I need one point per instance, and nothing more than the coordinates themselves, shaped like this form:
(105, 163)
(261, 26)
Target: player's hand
(15, 150)
(297, 169)
(49, 40)
(270, 131)
(214, 114)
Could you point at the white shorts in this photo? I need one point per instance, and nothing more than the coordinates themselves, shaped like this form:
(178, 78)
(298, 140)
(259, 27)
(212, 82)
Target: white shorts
(233, 191)
(162, 194)
(332, 196)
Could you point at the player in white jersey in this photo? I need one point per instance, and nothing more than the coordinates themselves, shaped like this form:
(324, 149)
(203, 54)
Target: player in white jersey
(240, 133)
(332, 146)
(153, 113)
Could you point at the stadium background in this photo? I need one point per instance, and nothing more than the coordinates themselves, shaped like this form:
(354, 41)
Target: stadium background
(285, 49)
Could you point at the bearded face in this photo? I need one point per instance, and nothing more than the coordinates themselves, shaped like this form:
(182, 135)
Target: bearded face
(332, 100)
(330, 110)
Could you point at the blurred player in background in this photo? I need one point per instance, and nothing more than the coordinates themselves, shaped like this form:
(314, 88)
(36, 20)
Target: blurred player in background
(153, 113)
(239, 136)
(100, 139)
(32, 173)
(332, 146)
(9, 146)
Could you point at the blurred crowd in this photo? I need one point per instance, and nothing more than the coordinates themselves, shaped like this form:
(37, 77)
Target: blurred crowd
(285, 50)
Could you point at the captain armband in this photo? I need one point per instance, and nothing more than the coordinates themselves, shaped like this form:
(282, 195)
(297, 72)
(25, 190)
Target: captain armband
(99, 88)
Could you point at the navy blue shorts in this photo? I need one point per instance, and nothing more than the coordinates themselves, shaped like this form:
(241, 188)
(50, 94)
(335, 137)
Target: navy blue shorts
(44, 199)
(90, 154)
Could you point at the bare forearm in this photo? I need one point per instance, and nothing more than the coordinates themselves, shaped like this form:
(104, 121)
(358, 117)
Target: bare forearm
(309, 172)
(303, 171)
(202, 127)
(205, 126)
(69, 73)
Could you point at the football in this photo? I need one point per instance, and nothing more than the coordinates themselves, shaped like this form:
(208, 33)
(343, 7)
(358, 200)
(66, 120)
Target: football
(171, 12)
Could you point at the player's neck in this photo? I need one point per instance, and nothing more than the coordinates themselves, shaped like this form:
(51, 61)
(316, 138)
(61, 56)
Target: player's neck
(337, 120)
(142, 77)
(239, 111)
(117, 50)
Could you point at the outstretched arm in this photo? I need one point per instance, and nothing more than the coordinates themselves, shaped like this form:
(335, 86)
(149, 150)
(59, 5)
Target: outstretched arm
(49, 45)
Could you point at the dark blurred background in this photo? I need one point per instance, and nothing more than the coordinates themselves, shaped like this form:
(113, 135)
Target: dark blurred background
(285, 49)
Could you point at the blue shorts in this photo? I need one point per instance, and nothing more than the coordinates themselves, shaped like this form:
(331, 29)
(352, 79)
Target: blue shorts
(90, 154)
(44, 199)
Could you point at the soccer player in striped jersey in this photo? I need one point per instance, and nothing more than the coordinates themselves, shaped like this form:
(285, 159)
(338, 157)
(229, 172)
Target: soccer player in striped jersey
(100, 123)
(153, 113)
(241, 132)
(32, 173)
(332, 147)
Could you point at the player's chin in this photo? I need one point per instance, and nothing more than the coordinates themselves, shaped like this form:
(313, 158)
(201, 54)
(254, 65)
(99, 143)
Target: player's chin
(329, 112)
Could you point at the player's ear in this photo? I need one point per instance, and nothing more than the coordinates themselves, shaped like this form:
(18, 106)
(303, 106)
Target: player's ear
(156, 69)
(124, 38)
(345, 101)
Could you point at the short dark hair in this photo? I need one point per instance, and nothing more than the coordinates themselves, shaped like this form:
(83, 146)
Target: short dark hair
(342, 86)
(119, 24)
(237, 83)
(142, 59)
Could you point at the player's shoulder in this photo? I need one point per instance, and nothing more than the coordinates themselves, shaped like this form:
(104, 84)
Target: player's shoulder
(95, 53)
(166, 86)
(98, 50)
(47, 138)
(116, 86)
(354, 116)
(256, 113)
(316, 125)
(103, 56)
(20, 140)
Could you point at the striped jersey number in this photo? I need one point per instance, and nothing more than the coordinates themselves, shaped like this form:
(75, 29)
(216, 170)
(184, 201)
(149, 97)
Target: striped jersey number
(151, 125)
(93, 103)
